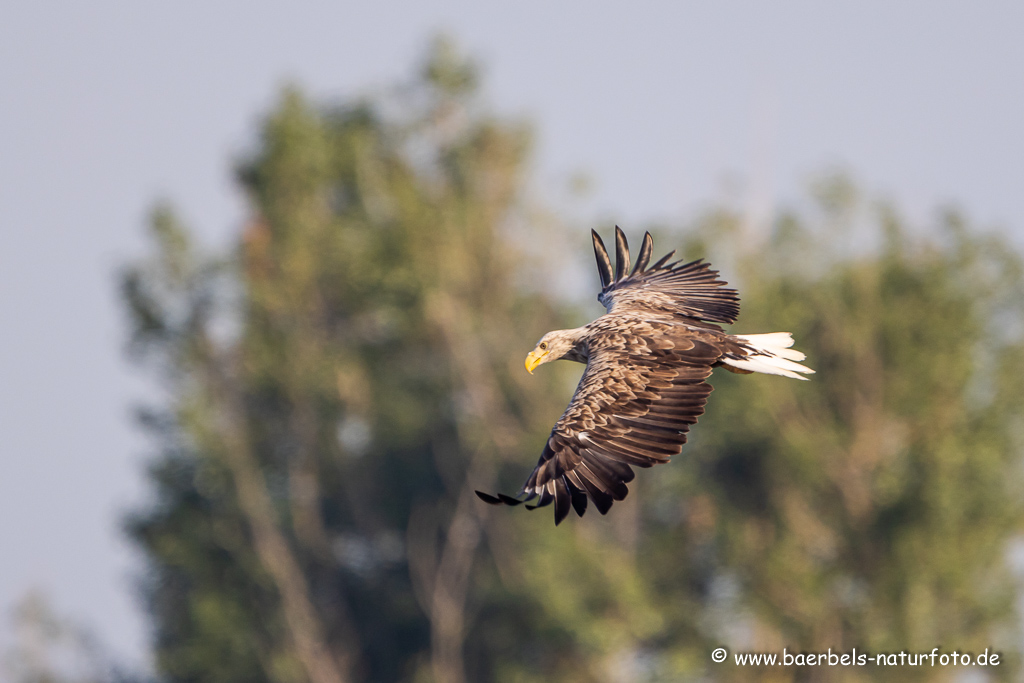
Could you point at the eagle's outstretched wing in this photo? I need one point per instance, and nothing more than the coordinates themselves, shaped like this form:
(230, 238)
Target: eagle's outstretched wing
(691, 290)
(642, 389)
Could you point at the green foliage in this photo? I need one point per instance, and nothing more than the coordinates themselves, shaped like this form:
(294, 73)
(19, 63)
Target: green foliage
(872, 506)
(369, 328)
(340, 382)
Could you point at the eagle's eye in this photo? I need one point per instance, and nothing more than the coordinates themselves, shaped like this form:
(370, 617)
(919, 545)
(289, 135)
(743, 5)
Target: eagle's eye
(543, 346)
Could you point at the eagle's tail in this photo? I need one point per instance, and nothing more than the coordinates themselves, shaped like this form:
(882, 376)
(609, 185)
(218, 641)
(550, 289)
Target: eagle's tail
(770, 354)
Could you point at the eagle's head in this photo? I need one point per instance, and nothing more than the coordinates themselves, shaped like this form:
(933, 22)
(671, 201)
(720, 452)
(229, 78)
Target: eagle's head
(566, 344)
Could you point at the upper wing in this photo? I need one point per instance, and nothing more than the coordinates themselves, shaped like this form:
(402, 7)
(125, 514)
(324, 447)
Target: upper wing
(642, 389)
(692, 290)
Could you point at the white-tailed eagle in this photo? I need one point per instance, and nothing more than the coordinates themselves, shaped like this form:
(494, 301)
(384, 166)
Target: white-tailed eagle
(648, 359)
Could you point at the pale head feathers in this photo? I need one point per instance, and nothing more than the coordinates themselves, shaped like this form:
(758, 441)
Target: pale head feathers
(558, 344)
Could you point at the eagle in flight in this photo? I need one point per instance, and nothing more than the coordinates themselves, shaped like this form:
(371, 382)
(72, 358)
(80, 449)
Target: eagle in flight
(648, 360)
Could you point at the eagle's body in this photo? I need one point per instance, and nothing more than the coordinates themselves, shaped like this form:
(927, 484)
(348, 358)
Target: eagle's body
(647, 361)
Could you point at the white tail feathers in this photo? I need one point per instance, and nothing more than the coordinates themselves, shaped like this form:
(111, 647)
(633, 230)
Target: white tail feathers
(770, 354)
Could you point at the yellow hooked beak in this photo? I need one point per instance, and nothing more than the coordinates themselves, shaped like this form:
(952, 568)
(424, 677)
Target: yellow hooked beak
(533, 359)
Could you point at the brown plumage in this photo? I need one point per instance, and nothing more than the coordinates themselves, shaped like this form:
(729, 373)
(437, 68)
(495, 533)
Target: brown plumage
(647, 361)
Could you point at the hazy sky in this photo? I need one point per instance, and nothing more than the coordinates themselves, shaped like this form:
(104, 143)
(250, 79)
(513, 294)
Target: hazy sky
(106, 107)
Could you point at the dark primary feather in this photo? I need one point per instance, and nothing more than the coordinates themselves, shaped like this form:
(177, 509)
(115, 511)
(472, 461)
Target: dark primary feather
(604, 264)
(645, 254)
(621, 254)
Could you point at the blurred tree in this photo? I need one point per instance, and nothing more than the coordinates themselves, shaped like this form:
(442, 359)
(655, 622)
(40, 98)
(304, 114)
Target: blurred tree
(338, 384)
(336, 389)
(875, 506)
